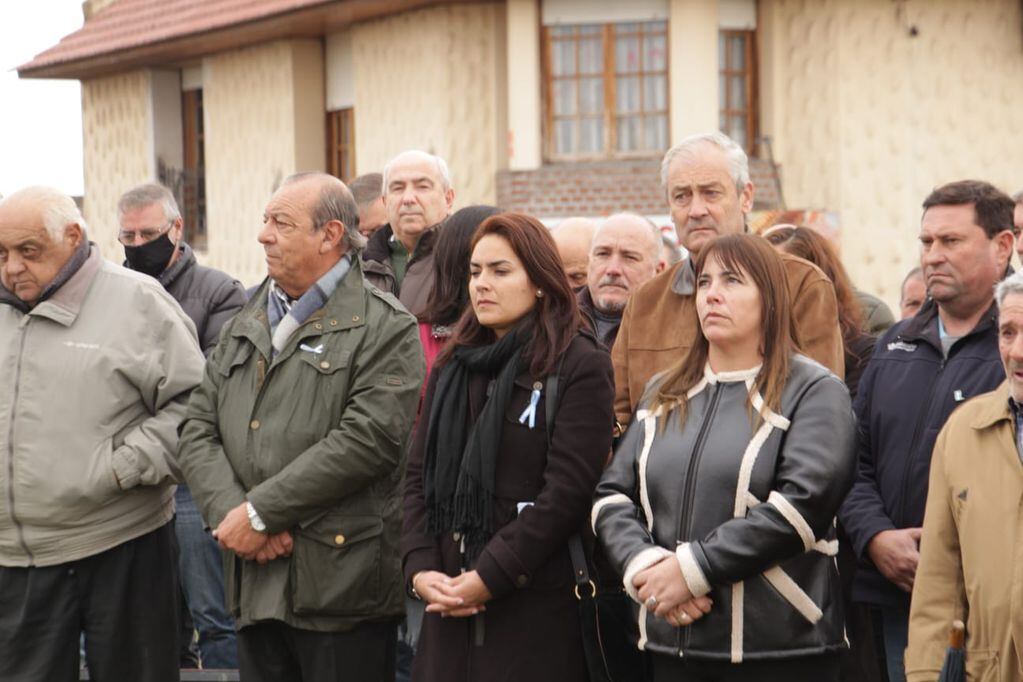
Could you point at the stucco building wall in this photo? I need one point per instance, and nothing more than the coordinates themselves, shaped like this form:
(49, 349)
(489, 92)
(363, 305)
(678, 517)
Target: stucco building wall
(867, 118)
(117, 134)
(430, 79)
(264, 120)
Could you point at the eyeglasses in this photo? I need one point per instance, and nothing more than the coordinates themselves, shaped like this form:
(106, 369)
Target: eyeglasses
(129, 237)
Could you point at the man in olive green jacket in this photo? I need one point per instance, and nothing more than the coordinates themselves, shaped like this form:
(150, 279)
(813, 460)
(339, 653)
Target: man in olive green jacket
(294, 447)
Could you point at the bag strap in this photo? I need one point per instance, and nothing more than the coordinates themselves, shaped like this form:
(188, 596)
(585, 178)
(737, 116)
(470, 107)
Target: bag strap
(580, 569)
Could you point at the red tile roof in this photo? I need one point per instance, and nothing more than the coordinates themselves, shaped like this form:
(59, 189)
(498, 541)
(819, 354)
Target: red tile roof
(130, 33)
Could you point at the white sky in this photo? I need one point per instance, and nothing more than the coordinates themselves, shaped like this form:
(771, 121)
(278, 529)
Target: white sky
(40, 120)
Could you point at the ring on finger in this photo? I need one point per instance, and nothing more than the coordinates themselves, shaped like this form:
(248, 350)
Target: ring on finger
(651, 603)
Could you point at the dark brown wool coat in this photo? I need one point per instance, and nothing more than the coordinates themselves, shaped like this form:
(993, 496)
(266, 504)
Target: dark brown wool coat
(531, 624)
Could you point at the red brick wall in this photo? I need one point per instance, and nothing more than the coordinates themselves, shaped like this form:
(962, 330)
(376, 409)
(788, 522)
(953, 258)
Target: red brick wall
(601, 188)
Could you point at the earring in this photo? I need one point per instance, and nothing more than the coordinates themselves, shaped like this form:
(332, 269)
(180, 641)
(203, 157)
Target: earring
(539, 294)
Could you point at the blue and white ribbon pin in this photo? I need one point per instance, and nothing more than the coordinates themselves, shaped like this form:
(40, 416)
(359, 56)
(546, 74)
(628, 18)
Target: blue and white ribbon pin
(530, 411)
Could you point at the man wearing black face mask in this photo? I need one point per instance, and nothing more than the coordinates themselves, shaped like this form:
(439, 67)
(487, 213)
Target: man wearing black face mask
(151, 233)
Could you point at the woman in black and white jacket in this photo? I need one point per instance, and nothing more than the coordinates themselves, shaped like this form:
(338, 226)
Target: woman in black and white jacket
(719, 505)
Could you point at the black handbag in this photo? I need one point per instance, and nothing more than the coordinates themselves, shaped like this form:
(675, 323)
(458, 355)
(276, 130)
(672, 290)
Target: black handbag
(605, 616)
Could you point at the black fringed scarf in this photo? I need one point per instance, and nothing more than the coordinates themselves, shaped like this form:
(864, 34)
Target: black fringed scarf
(459, 466)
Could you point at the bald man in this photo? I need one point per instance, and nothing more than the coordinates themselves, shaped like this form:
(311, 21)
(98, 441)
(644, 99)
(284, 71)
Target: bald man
(573, 237)
(624, 254)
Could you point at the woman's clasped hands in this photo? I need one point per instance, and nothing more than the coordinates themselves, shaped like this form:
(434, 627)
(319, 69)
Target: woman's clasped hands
(458, 597)
(663, 589)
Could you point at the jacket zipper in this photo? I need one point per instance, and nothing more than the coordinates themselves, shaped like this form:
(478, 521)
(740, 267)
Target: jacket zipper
(10, 450)
(687, 502)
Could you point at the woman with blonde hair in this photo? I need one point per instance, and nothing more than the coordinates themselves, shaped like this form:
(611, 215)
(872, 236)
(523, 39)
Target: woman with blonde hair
(719, 505)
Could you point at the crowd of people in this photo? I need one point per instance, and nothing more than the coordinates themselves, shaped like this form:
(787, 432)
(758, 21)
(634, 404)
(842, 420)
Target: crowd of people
(434, 444)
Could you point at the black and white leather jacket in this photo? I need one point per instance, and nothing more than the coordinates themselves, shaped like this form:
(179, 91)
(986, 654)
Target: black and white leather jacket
(747, 511)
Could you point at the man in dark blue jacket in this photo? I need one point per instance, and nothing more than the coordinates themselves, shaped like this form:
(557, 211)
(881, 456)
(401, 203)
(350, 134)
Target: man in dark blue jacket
(922, 368)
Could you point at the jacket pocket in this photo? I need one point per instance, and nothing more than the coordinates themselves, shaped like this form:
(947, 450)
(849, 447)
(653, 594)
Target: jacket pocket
(327, 361)
(335, 566)
(982, 666)
(236, 354)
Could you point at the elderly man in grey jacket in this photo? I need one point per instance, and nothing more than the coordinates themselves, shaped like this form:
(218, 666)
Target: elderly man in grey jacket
(96, 368)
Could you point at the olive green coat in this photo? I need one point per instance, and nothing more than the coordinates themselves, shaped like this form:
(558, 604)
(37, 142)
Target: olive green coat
(316, 441)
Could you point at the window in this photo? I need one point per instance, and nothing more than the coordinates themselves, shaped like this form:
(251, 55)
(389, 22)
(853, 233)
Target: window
(193, 179)
(738, 87)
(341, 143)
(605, 90)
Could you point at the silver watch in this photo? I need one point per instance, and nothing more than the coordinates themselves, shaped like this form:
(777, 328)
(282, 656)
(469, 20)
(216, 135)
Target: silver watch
(254, 520)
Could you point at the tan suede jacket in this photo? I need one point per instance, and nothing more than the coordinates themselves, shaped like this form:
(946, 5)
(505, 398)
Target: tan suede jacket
(660, 323)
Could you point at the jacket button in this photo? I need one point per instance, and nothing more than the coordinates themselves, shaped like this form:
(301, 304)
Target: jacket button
(339, 539)
(355, 318)
(521, 581)
(333, 323)
(318, 326)
(254, 424)
(324, 365)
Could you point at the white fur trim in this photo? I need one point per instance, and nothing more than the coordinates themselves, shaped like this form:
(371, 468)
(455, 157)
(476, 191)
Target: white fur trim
(617, 498)
(729, 377)
(738, 608)
(826, 547)
(772, 418)
(642, 561)
(649, 430)
(691, 571)
(795, 519)
(641, 645)
(749, 458)
(793, 594)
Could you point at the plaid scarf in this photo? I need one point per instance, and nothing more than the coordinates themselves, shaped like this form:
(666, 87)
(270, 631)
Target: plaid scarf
(286, 314)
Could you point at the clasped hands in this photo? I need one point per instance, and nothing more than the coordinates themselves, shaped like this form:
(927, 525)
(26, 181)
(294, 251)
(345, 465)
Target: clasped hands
(235, 533)
(663, 589)
(458, 597)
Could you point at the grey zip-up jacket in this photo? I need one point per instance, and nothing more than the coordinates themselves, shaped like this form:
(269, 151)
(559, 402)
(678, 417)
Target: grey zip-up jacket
(94, 382)
(748, 513)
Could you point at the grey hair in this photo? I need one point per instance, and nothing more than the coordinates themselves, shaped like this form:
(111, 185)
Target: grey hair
(1018, 197)
(655, 232)
(58, 209)
(148, 194)
(738, 162)
(439, 164)
(334, 203)
(1013, 284)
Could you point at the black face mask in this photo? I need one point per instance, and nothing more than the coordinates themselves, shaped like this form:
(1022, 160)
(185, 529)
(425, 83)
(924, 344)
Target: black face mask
(152, 257)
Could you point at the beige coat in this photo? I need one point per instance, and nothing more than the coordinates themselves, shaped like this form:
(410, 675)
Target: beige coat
(971, 563)
(94, 382)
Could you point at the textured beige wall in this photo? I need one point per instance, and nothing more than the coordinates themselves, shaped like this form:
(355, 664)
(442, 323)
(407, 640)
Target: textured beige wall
(429, 80)
(259, 130)
(117, 154)
(867, 119)
(693, 39)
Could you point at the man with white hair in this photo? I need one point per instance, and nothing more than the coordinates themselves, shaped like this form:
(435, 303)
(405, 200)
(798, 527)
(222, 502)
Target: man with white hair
(709, 192)
(623, 255)
(399, 256)
(969, 567)
(98, 363)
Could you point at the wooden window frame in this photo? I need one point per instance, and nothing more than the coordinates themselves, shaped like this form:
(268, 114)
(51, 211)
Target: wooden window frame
(341, 148)
(750, 71)
(610, 73)
(193, 190)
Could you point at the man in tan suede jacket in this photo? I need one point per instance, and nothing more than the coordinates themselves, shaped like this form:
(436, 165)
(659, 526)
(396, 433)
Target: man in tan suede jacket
(709, 193)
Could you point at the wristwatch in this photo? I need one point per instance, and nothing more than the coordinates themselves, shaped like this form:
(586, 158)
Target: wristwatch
(254, 520)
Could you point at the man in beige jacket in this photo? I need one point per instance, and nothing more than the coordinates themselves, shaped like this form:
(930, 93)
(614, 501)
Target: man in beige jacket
(96, 365)
(970, 568)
